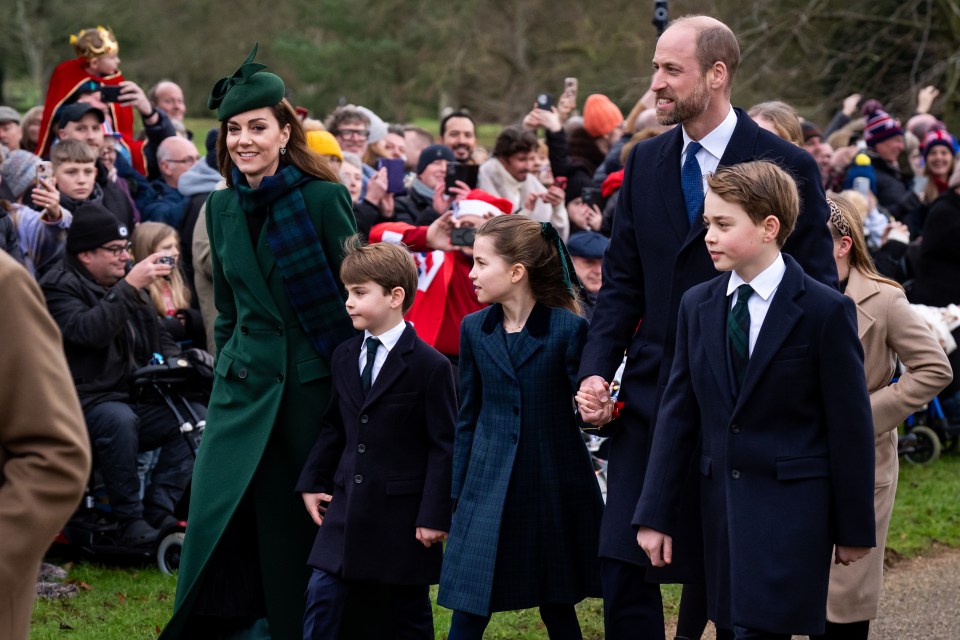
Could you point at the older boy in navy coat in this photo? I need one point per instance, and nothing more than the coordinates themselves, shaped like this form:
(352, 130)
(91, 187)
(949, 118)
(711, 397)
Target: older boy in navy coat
(378, 478)
(769, 374)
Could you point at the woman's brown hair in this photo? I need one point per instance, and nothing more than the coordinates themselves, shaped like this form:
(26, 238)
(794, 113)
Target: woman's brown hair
(298, 153)
(520, 240)
(144, 242)
(845, 221)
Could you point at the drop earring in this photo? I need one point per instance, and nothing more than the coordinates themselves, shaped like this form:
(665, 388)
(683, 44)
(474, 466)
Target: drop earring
(283, 150)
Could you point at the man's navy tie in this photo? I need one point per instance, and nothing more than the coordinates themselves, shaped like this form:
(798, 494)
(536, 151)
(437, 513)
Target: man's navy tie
(738, 333)
(366, 378)
(691, 181)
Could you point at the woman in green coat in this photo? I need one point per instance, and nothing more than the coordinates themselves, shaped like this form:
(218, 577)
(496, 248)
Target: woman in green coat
(276, 237)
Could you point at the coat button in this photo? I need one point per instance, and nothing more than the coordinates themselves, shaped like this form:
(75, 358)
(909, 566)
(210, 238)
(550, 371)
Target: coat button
(357, 479)
(735, 474)
(364, 419)
(735, 428)
(279, 331)
(244, 329)
(361, 448)
(516, 411)
(279, 377)
(242, 374)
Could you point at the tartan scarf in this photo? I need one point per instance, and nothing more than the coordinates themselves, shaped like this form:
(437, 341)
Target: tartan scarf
(312, 289)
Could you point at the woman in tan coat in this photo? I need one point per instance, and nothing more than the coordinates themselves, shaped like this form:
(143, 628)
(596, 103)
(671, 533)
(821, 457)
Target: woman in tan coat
(888, 329)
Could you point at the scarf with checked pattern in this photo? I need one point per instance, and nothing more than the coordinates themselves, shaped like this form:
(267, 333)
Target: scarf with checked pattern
(313, 291)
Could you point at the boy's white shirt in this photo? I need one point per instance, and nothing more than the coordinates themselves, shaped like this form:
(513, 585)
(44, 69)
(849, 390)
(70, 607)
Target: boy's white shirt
(765, 285)
(388, 340)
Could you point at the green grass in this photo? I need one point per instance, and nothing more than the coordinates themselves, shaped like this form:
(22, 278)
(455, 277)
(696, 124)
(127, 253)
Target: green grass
(134, 603)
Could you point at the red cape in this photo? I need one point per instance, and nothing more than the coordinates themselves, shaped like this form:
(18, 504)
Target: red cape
(65, 80)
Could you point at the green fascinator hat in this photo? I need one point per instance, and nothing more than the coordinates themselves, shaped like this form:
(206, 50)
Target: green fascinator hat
(250, 87)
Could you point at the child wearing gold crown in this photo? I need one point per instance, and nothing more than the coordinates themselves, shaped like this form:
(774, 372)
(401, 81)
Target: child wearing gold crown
(97, 65)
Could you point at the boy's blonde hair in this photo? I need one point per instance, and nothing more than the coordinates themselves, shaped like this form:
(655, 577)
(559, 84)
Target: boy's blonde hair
(388, 265)
(93, 43)
(72, 151)
(762, 189)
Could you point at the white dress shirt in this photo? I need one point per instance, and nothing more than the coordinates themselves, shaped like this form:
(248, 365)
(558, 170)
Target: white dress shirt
(765, 285)
(388, 340)
(714, 144)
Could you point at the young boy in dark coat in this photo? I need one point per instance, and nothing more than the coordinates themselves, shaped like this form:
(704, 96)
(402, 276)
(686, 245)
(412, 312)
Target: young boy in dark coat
(768, 376)
(378, 478)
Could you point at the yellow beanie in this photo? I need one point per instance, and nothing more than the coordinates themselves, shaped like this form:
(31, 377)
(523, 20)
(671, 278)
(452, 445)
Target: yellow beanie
(324, 144)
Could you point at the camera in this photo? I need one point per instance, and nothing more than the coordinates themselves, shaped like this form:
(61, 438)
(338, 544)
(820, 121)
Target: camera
(170, 260)
(463, 236)
(466, 173)
(590, 196)
(661, 16)
(109, 93)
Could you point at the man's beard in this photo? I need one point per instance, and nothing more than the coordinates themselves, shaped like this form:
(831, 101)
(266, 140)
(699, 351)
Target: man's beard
(465, 149)
(688, 108)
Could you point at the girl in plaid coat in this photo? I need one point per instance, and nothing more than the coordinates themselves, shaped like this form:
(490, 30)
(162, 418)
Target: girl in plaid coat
(526, 529)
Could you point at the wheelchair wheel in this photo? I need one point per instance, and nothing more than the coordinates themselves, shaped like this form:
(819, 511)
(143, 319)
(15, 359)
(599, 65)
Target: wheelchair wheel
(927, 447)
(168, 553)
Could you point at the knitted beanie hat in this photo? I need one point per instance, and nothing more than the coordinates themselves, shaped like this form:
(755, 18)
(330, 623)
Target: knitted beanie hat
(862, 167)
(378, 128)
(433, 153)
(878, 124)
(600, 115)
(19, 172)
(93, 226)
(324, 144)
(935, 137)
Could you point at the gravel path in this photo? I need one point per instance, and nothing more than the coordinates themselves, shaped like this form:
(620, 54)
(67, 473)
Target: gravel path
(921, 599)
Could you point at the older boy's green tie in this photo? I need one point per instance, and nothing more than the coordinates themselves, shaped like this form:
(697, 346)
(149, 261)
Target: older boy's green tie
(738, 333)
(366, 378)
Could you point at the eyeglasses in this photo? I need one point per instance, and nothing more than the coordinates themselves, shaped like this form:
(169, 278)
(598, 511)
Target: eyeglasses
(353, 133)
(117, 251)
(190, 160)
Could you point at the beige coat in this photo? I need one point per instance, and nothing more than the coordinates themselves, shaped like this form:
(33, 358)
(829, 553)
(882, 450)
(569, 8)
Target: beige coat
(888, 328)
(44, 447)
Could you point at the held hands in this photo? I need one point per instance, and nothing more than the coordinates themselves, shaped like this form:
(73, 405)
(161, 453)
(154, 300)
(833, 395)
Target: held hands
(316, 504)
(658, 546)
(428, 537)
(549, 120)
(47, 196)
(145, 272)
(442, 202)
(594, 401)
(849, 555)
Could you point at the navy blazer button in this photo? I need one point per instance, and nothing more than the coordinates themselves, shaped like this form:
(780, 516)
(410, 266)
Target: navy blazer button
(364, 419)
(361, 448)
(357, 479)
(242, 374)
(244, 330)
(279, 377)
(735, 474)
(735, 428)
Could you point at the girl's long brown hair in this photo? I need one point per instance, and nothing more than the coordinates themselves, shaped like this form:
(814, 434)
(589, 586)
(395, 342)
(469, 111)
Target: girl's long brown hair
(518, 239)
(859, 254)
(298, 153)
(146, 238)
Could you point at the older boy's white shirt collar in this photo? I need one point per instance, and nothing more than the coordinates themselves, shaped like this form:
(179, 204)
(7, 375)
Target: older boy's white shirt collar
(766, 282)
(714, 144)
(765, 285)
(388, 340)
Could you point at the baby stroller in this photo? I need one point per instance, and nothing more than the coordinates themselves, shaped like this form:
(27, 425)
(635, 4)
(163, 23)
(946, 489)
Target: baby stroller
(90, 533)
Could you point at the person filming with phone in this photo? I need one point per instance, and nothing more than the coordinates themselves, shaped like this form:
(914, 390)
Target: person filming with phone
(110, 328)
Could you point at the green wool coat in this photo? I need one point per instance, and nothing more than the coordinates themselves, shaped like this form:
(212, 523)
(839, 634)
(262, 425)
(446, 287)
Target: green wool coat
(269, 393)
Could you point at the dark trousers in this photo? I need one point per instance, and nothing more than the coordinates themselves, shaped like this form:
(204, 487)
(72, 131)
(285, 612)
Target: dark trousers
(118, 431)
(742, 633)
(338, 608)
(692, 617)
(560, 620)
(632, 607)
(845, 631)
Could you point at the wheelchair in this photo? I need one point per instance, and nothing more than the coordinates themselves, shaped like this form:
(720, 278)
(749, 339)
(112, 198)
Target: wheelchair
(91, 533)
